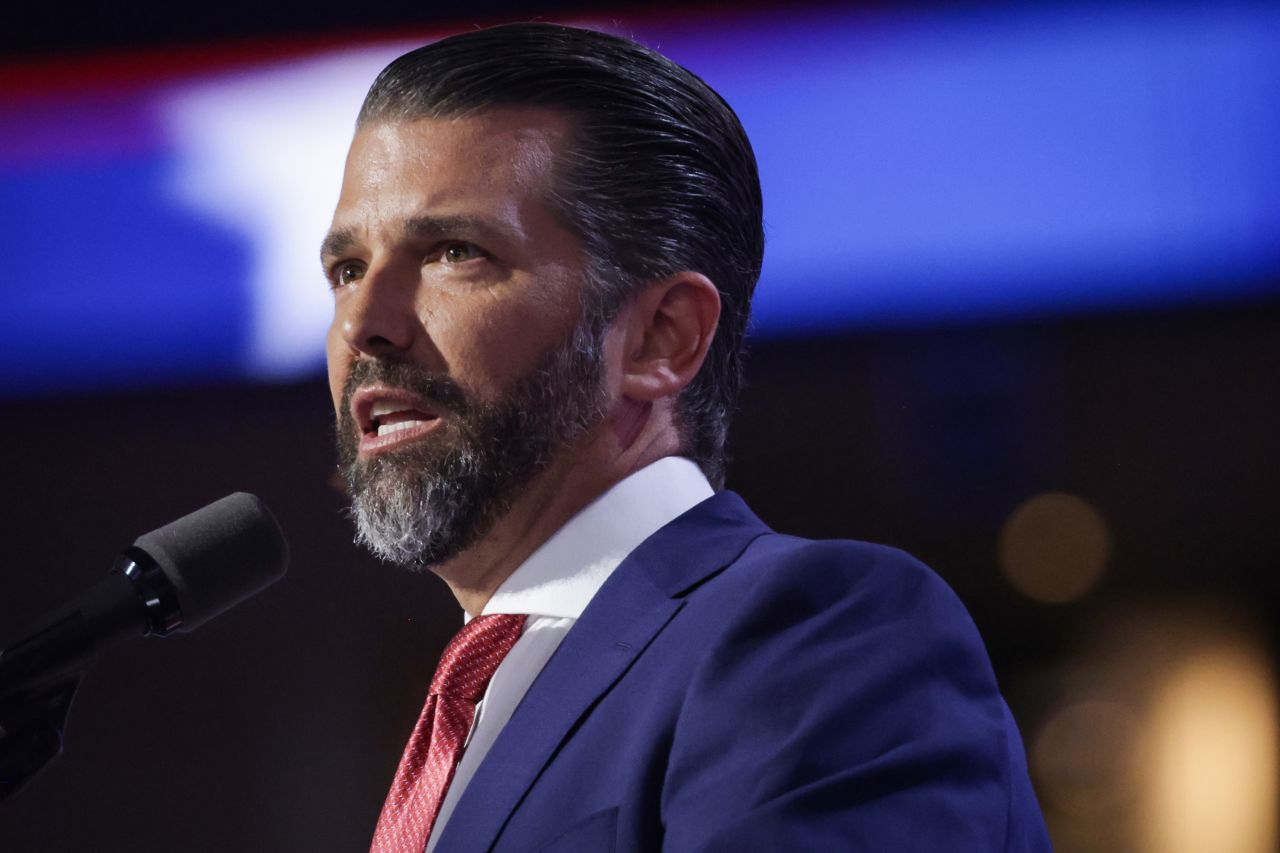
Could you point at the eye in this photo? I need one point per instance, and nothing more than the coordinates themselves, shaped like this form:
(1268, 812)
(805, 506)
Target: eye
(460, 252)
(347, 272)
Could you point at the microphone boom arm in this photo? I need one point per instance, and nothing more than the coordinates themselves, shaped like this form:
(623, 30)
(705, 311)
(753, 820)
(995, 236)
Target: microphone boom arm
(39, 674)
(177, 577)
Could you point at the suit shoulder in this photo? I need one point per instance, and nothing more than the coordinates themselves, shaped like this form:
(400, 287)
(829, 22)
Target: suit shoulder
(853, 670)
(878, 581)
(874, 602)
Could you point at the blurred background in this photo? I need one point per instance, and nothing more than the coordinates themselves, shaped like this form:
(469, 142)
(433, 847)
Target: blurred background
(1020, 315)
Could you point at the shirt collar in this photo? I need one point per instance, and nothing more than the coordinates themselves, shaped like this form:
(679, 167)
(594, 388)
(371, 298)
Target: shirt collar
(564, 574)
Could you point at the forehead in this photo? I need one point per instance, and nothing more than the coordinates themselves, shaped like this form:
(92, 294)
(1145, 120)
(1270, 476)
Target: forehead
(395, 167)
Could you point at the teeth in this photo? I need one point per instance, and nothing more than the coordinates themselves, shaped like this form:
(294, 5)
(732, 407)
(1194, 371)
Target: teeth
(382, 408)
(387, 429)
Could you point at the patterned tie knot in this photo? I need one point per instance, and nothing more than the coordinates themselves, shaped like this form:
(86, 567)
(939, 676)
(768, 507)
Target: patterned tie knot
(469, 661)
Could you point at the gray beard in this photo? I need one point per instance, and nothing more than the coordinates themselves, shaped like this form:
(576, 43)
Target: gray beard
(422, 505)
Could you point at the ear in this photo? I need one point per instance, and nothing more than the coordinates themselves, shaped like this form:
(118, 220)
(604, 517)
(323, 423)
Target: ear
(667, 330)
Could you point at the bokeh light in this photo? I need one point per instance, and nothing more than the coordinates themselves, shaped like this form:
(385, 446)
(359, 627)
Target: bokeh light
(1211, 759)
(1083, 755)
(1054, 548)
(1164, 737)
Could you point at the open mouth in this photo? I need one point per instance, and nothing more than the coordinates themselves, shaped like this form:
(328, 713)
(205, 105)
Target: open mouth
(389, 417)
(386, 418)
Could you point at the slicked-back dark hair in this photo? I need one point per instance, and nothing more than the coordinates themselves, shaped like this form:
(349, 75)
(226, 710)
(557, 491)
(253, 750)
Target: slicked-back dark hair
(658, 177)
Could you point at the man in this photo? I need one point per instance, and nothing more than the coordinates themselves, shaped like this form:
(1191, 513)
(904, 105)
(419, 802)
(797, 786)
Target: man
(542, 263)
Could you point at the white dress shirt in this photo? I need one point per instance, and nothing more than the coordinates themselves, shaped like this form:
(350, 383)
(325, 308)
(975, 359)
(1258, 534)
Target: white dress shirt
(557, 582)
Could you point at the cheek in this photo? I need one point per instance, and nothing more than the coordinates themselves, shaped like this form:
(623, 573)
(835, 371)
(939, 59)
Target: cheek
(483, 353)
(485, 335)
(339, 364)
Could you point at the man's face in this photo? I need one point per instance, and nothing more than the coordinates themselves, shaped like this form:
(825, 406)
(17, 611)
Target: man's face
(457, 364)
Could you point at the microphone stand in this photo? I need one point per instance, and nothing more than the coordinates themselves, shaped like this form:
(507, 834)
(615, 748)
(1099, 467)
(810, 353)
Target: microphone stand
(40, 673)
(32, 718)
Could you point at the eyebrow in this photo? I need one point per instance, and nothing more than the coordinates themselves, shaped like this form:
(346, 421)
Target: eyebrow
(462, 226)
(336, 243)
(341, 240)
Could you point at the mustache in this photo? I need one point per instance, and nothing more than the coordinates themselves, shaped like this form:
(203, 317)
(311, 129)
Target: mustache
(435, 388)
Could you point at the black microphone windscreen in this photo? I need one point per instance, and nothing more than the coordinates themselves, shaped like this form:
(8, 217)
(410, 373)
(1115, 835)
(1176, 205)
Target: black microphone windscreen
(218, 556)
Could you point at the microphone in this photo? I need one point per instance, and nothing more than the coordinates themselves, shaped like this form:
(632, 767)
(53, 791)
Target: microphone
(175, 578)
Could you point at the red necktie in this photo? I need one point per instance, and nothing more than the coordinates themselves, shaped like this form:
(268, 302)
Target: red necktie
(428, 763)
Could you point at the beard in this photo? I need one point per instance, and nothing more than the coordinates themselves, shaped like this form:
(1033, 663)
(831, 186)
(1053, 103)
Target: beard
(420, 505)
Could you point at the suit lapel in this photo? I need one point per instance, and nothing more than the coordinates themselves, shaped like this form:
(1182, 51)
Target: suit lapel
(631, 608)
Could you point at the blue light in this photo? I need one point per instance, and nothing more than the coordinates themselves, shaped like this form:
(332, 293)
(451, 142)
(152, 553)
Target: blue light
(925, 166)
(953, 165)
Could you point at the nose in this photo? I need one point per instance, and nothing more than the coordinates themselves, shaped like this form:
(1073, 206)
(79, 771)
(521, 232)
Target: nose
(376, 316)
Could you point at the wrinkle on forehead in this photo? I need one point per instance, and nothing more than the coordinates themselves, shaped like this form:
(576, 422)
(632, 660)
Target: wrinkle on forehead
(393, 169)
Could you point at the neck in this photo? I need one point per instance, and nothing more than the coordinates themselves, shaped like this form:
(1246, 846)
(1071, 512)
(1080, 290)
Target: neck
(626, 443)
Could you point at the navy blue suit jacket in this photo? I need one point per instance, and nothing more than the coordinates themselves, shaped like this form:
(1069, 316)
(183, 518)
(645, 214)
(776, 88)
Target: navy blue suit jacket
(733, 689)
